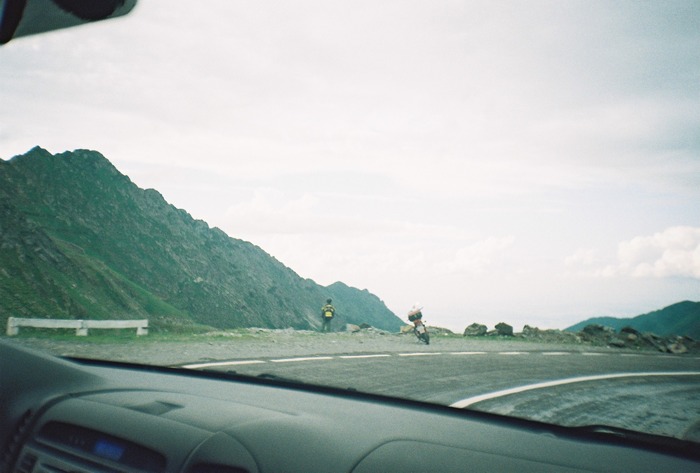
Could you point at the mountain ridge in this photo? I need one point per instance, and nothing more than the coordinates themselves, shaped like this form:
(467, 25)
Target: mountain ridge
(80, 239)
(681, 318)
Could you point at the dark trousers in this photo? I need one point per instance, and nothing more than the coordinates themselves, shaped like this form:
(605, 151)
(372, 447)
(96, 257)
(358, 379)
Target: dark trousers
(326, 327)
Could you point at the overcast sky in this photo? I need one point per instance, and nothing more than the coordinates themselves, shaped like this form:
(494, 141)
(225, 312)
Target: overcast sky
(526, 162)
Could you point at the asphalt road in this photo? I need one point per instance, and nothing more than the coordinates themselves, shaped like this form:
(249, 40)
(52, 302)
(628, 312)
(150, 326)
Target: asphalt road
(450, 371)
(654, 401)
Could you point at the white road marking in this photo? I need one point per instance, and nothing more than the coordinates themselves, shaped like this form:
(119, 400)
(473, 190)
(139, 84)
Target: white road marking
(429, 353)
(223, 363)
(352, 357)
(308, 358)
(386, 355)
(548, 384)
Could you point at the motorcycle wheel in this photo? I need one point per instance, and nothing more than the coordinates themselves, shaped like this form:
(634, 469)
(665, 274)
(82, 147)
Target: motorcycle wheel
(425, 338)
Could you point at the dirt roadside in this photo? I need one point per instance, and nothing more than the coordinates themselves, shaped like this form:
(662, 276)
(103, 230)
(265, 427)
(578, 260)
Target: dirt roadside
(265, 343)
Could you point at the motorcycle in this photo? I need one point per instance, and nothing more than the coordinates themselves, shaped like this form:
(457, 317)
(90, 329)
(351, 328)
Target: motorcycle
(419, 328)
(421, 331)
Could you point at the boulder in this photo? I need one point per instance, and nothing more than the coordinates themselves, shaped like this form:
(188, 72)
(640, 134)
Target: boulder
(376, 330)
(440, 331)
(653, 340)
(504, 329)
(352, 328)
(598, 334)
(530, 332)
(677, 348)
(598, 330)
(475, 330)
(630, 330)
(629, 335)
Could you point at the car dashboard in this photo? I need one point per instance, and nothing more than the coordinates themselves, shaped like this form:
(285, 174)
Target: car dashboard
(61, 415)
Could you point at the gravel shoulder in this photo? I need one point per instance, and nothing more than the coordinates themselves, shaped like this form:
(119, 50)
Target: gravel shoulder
(264, 343)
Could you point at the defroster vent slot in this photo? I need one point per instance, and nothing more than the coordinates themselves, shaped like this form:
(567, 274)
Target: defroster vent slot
(26, 464)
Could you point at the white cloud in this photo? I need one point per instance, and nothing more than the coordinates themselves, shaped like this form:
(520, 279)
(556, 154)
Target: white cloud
(674, 252)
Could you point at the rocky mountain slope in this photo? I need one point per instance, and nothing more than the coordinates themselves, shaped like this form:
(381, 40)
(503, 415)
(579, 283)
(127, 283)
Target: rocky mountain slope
(682, 318)
(78, 239)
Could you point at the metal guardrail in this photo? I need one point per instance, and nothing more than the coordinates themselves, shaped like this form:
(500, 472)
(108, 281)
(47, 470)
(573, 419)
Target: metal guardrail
(81, 326)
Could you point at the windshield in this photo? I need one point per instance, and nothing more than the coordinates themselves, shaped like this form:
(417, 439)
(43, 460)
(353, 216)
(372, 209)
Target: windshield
(486, 205)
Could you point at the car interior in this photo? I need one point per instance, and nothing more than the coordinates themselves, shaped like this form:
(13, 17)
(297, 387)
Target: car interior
(72, 415)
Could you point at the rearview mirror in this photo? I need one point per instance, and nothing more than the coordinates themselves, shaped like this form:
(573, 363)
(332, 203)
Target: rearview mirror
(27, 17)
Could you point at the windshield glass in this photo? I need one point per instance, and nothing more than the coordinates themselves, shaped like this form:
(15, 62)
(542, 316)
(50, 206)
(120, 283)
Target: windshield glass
(486, 205)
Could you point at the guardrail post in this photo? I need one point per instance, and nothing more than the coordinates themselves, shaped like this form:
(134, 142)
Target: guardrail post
(142, 330)
(82, 331)
(12, 328)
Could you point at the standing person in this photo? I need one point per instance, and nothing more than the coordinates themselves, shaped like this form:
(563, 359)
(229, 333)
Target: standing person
(327, 314)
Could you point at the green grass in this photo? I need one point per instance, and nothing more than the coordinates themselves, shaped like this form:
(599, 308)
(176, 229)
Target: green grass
(112, 282)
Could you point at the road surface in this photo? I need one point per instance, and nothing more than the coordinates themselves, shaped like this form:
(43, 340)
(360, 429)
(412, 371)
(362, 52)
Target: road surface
(648, 392)
(450, 371)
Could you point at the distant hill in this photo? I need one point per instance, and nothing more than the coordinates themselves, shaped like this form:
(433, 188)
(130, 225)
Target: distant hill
(682, 318)
(79, 240)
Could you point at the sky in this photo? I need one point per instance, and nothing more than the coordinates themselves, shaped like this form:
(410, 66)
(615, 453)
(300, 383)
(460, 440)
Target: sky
(496, 161)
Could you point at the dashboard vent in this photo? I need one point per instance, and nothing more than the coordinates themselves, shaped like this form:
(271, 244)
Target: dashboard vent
(15, 441)
(215, 468)
(26, 464)
(97, 445)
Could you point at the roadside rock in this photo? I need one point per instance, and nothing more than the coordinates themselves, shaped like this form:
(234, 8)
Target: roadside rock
(439, 331)
(677, 348)
(549, 335)
(504, 329)
(630, 338)
(597, 333)
(630, 331)
(475, 330)
(652, 340)
(364, 328)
